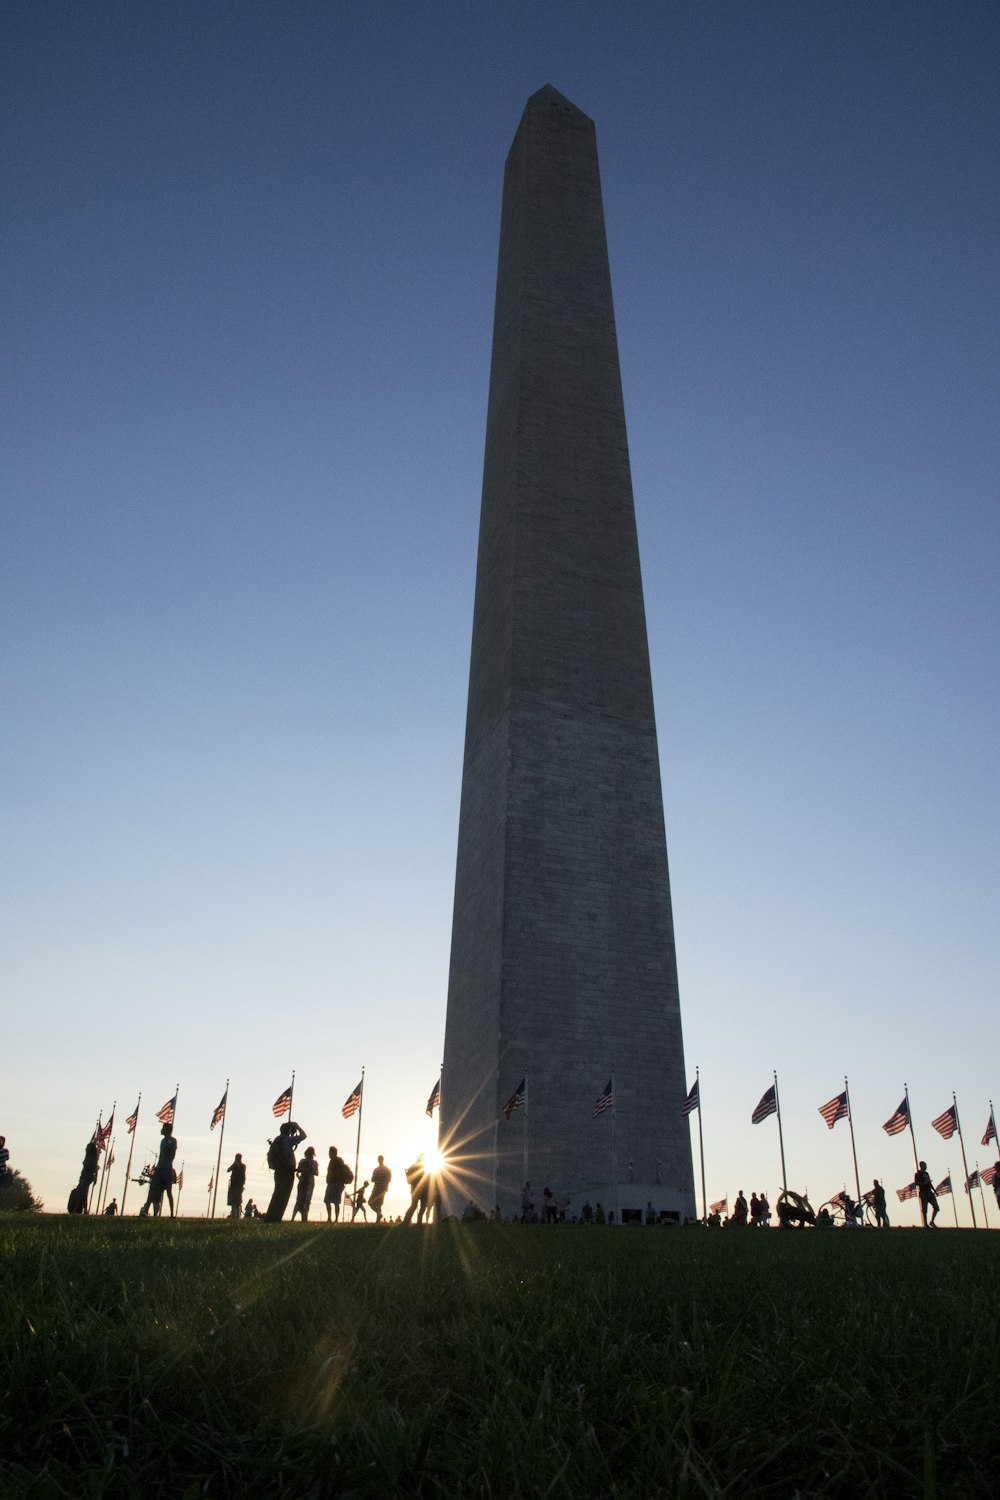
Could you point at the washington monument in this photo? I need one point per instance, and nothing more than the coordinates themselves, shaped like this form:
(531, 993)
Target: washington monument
(563, 972)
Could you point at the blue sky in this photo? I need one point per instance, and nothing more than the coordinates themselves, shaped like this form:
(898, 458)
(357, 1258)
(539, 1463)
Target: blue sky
(249, 263)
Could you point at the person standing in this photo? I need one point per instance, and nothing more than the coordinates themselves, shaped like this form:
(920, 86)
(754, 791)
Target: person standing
(307, 1172)
(112, 1208)
(237, 1182)
(88, 1176)
(878, 1204)
(281, 1160)
(928, 1197)
(740, 1211)
(338, 1175)
(416, 1176)
(4, 1161)
(164, 1176)
(996, 1183)
(381, 1178)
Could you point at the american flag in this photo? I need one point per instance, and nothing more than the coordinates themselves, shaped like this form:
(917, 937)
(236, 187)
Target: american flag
(180, 1179)
(899, 1120)
(352, 1103)
(837, 1199)
(910, 1191)
(946, 1124)
(220, 1111)
(434, 1101)
(693, 1100)
(605, 1100)
(944, 1186)
(767, 1106)
(165, 1115)
(972, 1180)
(283, 1103)
(515, 1101)
(102, 1134)
(133, 1119)
(720, 1207)
(988, 1175)
(991, 1131)
(835, 1110)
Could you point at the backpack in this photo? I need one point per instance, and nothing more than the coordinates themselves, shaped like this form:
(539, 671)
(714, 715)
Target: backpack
(274, 1154)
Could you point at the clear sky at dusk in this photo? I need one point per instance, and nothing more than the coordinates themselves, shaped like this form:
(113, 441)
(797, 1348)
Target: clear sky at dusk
(249, 258)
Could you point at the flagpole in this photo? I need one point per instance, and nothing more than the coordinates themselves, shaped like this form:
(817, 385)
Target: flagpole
(781, 1136)
(357, 1143)
(131, 1148)
(909, 1116)
(96, 1137)
(701, 1149)
(180, 1187)
(965, 1164)
(291, 1096)
(854, 1152)
(102, 1203)
(614, 1146)
(954, 1201)
(102, 1185)
(993, 1122)
(218, 1159)
(979, 1175)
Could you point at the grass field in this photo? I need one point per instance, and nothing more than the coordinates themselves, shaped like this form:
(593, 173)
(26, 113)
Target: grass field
(185, 1359)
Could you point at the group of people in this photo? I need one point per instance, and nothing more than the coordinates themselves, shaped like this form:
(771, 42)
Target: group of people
(756, 1213)
(368, 1195)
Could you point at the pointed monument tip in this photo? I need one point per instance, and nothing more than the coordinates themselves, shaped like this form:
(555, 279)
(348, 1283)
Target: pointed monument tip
(549, 97)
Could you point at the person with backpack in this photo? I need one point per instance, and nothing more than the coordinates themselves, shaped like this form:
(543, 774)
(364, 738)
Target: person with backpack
(338, 1175)
(281, 1160)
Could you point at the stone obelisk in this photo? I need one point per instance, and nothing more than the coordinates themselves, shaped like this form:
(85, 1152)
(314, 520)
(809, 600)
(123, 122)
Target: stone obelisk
(563, 970)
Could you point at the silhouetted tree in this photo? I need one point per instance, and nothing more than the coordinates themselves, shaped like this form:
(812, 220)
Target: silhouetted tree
(18, 1196)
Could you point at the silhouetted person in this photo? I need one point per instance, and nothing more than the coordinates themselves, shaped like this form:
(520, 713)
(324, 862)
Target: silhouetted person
(88, 1176)
(764, 1211)
(740, 1211)
(381, 1177)
(928, 1198)
(4, 1162)
(599, 1215)
(307, 1171)
(754, 1210)
(281, 1160)
(587, 1214)
(250, 1212)
(237, 1182)
(338, 1175)
(878, 1204)
(850, 1210)
(163, 1176)
(549, 1215)
(416, 1176)
(996, 1183)
(527, 1204)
